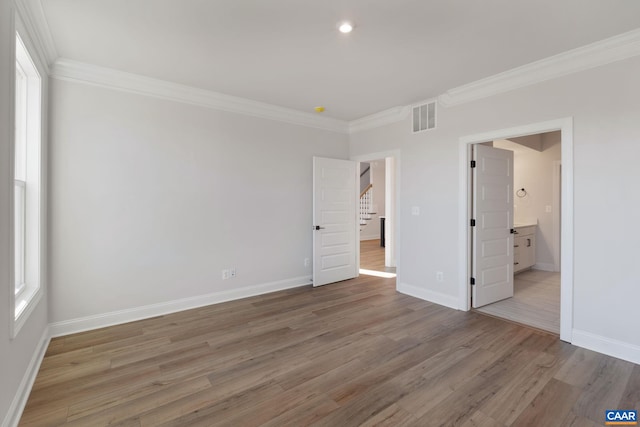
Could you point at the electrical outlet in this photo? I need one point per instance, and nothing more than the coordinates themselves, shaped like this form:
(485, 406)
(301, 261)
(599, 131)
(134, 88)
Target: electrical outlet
(225, 274)
(415, 210)
(439, 276)
(547, 209)
(232, 273)
(306, 262)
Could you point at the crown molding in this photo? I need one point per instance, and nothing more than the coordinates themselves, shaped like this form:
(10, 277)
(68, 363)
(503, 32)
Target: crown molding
(35, 23)
(603, 52)
(382, 118)
(70, 70)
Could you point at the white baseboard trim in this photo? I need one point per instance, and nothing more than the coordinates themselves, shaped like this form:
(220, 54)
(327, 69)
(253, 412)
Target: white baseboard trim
(73, 326)
(544, 266)
(370, 237)
(608, 346)
(22, 395)
(427, 295)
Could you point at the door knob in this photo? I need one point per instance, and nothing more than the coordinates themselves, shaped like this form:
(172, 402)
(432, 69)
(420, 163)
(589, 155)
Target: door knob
(317, 227)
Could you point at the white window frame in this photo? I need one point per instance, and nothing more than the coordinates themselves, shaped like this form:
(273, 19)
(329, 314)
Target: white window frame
(20, 234)
(19, 179)
(27, 170)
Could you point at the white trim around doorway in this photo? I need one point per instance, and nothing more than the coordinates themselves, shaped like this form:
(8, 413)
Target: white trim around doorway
(557, 211)
(566, 293)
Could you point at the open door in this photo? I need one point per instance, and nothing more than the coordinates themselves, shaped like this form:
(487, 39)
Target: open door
(335, 222)
(492, 212)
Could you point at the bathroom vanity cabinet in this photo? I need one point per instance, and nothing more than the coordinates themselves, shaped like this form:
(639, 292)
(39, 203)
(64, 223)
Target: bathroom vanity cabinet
(524, 247)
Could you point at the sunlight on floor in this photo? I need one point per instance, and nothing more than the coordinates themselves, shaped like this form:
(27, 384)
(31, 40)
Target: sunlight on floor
(377, 273)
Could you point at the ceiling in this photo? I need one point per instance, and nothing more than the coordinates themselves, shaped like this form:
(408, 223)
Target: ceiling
(289, 53)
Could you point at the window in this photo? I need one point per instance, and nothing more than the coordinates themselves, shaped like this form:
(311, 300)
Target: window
(27, 185)
(20, 178)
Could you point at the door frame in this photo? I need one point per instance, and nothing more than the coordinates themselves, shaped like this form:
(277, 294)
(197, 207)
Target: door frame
(565, 126)
(556, 204)
(392, 196)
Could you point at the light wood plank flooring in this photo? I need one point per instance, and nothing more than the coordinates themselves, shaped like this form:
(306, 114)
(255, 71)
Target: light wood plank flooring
(535, 301)
(372, 256)
(348, 354)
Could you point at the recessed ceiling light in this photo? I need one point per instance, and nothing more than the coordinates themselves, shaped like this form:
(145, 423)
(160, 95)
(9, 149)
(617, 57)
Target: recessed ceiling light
(345, 27)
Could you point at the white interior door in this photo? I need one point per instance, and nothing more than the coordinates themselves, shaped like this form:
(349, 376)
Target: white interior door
(335, 249)
(492, 240)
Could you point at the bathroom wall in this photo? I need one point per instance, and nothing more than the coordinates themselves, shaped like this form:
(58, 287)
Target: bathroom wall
(534, 171)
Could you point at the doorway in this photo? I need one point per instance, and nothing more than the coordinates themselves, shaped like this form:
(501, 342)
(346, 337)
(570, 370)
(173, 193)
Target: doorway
(378, 226)
(535, 296)
(564, 212)
(372, 217)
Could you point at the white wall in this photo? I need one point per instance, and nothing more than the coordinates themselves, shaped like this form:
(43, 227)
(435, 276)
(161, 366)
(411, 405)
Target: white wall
(16, 355)
(604, 104)
(151, 199)
(372, 229)
(533, 170)
(365, 176)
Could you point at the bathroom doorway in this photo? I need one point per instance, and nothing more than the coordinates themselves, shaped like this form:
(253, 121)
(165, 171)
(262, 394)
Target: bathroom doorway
(541, 197)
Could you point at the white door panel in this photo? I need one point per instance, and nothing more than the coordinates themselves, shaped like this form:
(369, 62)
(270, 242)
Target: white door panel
(492, 247)
(334, 220)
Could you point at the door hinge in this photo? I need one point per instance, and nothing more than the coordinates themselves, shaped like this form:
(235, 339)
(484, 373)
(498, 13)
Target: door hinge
(472, 281)
(473, 222)
(473, 163)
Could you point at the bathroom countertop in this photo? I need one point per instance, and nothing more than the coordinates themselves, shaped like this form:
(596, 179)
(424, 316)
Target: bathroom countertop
(524, 224)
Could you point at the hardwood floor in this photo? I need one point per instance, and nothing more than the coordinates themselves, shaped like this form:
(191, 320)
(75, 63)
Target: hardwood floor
(352, 353)
(535, 302)
(372, 256)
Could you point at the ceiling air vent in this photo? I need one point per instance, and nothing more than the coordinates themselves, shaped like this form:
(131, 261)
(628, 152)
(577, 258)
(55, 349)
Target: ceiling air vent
(424, 117)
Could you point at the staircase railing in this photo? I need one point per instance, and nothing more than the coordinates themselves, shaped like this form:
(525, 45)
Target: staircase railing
(365, 178)
(366, 201)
